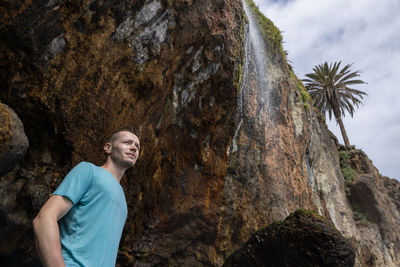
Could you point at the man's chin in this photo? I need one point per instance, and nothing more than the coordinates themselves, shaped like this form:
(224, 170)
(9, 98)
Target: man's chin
(129, 164)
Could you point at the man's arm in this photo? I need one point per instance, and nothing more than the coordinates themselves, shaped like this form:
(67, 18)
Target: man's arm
(47, 234)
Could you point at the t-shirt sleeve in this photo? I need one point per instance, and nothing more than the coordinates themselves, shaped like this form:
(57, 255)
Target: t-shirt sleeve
(76, 183)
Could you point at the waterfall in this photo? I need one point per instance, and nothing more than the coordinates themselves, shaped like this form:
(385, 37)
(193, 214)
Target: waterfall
(257, 102)
(256, 48)
(258, 163)
(254, 70)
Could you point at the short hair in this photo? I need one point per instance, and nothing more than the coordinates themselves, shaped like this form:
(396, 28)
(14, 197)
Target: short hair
(123, 129)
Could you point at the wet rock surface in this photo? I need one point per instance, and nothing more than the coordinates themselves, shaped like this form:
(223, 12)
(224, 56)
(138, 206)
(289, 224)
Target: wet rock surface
(302, 239)
(218, 161)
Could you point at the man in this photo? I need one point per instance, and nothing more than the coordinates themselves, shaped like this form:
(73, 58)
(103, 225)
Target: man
(82, 222)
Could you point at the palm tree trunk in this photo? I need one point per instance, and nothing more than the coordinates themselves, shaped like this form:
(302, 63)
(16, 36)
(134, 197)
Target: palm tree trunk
(344, 134)
(337, 114)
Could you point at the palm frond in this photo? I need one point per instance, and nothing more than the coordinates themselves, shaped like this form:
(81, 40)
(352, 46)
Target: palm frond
(329, 86)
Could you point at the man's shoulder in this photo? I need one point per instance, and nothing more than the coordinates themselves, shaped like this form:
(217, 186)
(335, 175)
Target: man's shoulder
(84, 166)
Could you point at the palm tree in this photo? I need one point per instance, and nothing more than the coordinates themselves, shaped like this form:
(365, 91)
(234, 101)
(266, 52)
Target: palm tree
(329, 88)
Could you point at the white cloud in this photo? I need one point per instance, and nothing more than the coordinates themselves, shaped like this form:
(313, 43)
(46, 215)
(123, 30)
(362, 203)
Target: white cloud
(363, 32)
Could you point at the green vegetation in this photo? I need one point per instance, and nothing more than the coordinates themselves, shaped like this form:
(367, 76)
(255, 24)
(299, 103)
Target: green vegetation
(270, 32)
(329, 88)
(240, 53)
(305, 96)
(240, 76)
(304, 211)
(348, 172)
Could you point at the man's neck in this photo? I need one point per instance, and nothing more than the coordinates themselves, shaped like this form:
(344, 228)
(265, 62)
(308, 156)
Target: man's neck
(114, 169)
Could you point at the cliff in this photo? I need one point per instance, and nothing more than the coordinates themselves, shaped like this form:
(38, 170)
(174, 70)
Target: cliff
(229, 142)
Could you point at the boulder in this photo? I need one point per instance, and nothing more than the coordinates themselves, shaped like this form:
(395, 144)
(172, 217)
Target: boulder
(13, 141)
(302, 239)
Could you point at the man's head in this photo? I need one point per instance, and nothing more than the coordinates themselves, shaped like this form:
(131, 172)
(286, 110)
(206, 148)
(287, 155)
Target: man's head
(122, 148)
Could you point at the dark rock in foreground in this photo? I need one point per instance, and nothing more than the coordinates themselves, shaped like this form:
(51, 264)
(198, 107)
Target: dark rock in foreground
(302, 239)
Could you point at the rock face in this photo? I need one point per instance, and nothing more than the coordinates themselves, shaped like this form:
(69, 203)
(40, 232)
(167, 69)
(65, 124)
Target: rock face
(13, 141)
(302, 239)
(375, 201)
(228, 144)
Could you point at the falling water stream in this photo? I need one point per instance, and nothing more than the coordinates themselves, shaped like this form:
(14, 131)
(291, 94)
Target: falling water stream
(255, 76)
(255, 47)
(257, 162)
(255, 88)
(268, 174)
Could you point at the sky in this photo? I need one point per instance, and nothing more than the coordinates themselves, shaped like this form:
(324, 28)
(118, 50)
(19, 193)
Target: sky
(365, 33)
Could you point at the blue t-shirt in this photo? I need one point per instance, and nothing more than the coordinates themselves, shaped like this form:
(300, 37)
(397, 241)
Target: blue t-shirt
(90, 232)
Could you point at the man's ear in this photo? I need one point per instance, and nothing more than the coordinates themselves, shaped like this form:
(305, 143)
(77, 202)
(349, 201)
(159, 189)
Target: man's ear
(107, 147)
